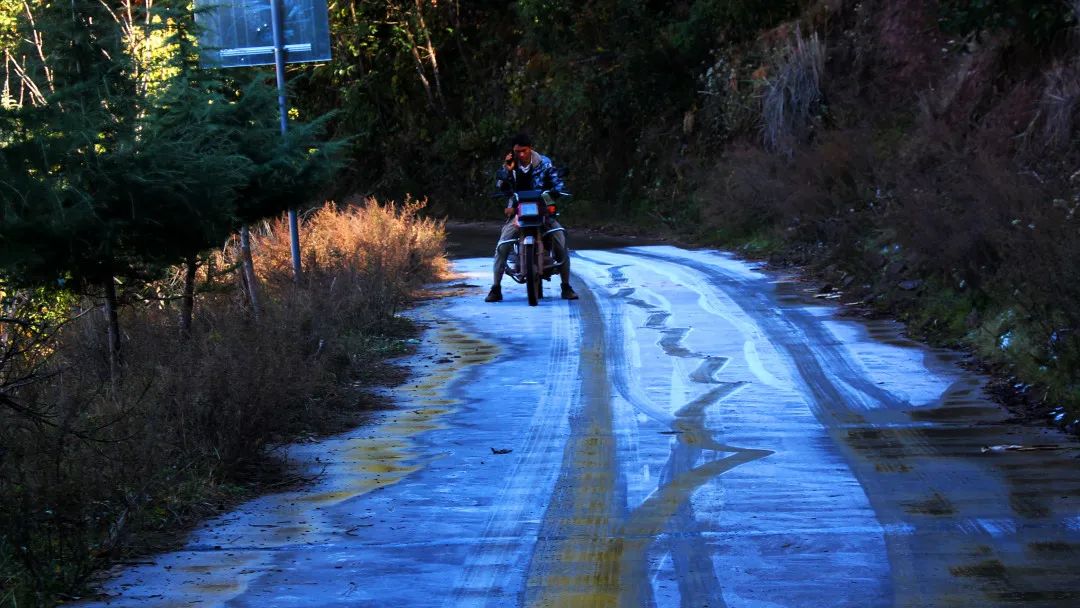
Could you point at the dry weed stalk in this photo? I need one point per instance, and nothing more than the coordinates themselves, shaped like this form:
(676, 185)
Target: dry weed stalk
(1059, 103)
(1056, 118)
(793, 94)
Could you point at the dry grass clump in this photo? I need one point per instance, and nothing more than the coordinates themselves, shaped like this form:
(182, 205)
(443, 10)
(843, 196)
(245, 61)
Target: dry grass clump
(365, 256)
(821, 200)
(1060, 103)
(190, 420)
(743, 195)
(792, 94)
(387, 240)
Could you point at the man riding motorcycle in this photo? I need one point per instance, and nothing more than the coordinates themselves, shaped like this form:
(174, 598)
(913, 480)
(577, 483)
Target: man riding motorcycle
(525, 169)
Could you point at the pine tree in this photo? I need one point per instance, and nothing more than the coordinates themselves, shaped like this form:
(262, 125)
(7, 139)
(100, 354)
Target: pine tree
(137, 160)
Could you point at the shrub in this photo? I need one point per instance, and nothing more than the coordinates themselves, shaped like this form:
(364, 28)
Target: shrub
(1059, 104)
(372, 254)
(730, 102)
(742, 195)
(1036, 20)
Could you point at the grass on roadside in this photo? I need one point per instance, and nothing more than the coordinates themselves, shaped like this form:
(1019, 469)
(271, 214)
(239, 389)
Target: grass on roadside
(104, 468)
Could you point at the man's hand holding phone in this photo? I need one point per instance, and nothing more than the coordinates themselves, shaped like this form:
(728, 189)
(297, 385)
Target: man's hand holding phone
(510, 161)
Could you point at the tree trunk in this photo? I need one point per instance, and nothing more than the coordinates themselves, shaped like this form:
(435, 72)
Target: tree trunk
(187, 303)
(430, 47)
(39, 45)
(420, 69)
(211, 271)
(247, 266)
(407, 25)
(113, 328)
(356, 24)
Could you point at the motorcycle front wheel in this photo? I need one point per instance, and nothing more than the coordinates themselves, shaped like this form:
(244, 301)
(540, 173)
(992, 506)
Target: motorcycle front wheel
(532, 275)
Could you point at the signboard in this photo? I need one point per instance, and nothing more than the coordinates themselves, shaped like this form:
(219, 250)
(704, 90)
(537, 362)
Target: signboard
(240, 32)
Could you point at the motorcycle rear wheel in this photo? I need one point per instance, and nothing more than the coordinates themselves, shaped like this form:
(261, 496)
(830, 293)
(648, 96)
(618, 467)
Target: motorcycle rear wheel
(532, 275)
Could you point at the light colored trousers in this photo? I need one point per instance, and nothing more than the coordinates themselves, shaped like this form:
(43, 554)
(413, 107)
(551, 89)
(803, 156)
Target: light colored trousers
(509, 236)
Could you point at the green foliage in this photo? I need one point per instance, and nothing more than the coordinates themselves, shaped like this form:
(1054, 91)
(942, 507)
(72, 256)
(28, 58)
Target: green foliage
(590, 80)
(131, 165)
(283, 171)
(40, 308)
(605, 77)
(9, 18)
(1039, 21)
(709, 22)
(944, 313)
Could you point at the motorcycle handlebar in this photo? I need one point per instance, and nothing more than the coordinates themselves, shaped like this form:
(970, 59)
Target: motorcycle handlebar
(559, 193)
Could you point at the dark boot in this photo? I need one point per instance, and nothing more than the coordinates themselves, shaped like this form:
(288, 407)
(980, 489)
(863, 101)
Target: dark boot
(568, 292)
(495, 295)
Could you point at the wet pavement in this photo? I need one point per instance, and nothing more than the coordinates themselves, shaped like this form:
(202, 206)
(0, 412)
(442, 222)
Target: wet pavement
(692, 432)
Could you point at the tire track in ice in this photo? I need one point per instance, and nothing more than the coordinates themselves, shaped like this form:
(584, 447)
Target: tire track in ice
(624, 554)
(503, 551)
(695, 574)
(578, 556)
(817, 357)
(839, 393)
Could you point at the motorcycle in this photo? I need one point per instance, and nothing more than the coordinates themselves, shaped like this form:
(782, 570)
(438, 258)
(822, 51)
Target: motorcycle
(532, 259)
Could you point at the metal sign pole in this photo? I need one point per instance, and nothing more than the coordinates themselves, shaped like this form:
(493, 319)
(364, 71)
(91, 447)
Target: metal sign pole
(277, 25)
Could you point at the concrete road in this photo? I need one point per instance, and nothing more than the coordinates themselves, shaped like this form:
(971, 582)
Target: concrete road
(692, 432)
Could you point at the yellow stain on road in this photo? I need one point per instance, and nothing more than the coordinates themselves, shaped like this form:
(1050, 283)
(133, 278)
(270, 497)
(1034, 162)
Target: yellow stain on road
(387, 454)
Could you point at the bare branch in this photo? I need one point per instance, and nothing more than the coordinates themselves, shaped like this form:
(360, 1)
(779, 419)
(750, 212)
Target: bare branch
(28, 84)
(39, 44)
(406, 27)
(430, 48)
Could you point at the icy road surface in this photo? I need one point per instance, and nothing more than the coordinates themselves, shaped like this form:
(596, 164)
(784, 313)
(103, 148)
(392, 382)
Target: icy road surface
(692, 432)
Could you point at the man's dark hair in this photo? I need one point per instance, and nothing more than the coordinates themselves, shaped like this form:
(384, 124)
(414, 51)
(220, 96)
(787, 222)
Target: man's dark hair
(521, 139)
